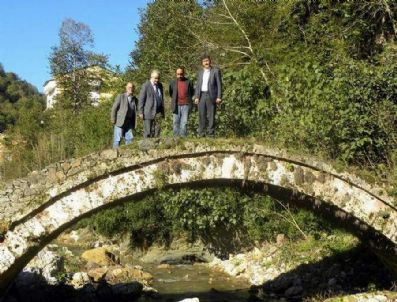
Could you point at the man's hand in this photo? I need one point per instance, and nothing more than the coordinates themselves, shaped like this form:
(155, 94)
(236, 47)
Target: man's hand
(196, 101)
(218, 101)
(141, 115)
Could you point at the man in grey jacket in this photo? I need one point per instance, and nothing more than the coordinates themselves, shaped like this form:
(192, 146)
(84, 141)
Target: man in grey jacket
(151, 105)
(123, 116)
(208, 94)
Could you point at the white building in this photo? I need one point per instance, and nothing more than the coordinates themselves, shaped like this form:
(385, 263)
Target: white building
(51, 90)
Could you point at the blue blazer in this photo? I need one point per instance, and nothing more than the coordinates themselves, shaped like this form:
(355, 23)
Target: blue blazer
(214, 84)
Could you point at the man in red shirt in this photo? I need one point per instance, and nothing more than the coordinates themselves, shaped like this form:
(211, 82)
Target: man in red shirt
(181, 93)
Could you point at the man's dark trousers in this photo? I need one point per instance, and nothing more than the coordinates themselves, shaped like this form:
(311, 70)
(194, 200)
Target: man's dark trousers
(206, 110)
(152, 127)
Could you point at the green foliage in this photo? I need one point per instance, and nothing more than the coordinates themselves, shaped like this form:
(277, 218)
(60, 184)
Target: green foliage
(223, 218)
(144, 220)
(14, 92)
(339, 108)
(165, 39)
(43, 137)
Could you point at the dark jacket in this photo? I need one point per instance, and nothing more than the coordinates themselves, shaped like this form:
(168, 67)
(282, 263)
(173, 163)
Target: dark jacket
(120, 109)
(147, 101)
(173, 91)
(214, 84)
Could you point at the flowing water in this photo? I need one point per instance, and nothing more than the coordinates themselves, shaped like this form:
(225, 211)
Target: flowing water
(178, 282)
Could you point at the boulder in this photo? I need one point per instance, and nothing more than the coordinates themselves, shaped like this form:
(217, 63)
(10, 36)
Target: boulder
(79, 279)
(119, 274)
(127, 290)
(47, 264)
(97, 274)
(100, 256)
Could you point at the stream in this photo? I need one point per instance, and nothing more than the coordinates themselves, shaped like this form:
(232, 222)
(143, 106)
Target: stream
(178, 282)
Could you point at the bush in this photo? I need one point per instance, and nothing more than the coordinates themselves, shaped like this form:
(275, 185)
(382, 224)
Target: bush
(224, 218)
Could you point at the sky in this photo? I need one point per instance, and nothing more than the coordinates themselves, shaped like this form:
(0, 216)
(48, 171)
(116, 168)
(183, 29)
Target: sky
(29, 28)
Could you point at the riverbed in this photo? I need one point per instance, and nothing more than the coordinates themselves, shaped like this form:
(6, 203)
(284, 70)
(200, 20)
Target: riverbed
(177, 282)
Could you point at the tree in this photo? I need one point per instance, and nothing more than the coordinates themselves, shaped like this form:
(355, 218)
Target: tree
(12, 91)
(165, 39)
(70, 62)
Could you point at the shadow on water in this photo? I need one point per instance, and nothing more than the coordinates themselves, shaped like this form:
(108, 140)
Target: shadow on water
(353, 271)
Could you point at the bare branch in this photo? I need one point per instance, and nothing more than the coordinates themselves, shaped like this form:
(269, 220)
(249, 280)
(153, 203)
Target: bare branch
(291, 219)
(391, 17)
(238, 25)
(249, 47)
(209, 21)
(236, 51)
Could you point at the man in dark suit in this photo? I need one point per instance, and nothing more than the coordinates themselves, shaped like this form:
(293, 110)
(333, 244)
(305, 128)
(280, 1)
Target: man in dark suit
(181, 92)
(123, 116)
(151, 105)
(208, 94)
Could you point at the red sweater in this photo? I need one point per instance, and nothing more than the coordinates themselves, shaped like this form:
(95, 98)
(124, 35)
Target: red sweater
(182, 92)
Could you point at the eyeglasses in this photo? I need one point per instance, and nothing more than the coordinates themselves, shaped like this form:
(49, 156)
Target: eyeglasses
(180, 74)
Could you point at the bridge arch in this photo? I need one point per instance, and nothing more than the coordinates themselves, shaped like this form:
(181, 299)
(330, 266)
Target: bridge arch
(53, 199)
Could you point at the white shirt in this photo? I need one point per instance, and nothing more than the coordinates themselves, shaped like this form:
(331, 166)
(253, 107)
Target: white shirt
(156, 89)
(206, 78)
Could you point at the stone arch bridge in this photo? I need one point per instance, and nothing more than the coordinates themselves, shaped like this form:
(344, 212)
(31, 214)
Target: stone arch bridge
(36, 209)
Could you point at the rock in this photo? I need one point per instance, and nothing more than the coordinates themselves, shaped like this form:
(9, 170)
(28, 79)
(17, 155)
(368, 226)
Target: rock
(151, 292)
(181, 259)
(381, 298)
(76, 163)
(79, 279)
(169, 142)
(164, 266)
(132, 289)
(190, 300)
(367, 297)
(294, 291)
(281, 284)
(109, 154)
(29, 280)
(332, 282)
(104, 292)
(98, 274)
(10, 298)
(47, 264)
(74, 235)
(60, 176)
(280, 239)
(65, 166)
(119, 274)
(100, 256)
(148, 144)
(91, 265)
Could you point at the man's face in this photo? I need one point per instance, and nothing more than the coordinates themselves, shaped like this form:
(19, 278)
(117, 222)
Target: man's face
(206, 63)
(155, 78)
(129, 88)
(179, 73)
